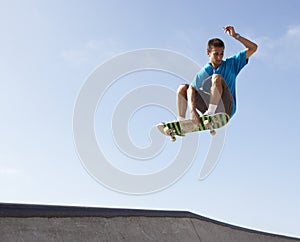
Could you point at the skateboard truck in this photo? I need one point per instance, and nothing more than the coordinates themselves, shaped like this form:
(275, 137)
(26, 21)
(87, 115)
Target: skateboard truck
(209, 126)
(170, 132)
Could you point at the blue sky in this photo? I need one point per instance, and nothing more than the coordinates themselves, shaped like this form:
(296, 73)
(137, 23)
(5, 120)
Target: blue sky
(50, 49)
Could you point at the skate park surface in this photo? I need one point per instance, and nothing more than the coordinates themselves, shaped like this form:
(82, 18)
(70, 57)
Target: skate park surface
(28, 222)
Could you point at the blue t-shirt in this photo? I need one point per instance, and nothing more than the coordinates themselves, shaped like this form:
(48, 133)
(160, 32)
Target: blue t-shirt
(229, 69)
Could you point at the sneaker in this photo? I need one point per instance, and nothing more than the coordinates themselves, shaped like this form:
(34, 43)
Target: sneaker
(207, 113)
(179, 118)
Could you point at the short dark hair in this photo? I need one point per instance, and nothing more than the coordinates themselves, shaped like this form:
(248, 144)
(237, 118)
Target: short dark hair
(215, 43)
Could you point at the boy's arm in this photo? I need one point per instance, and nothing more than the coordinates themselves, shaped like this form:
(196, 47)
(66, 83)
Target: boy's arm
(251, 47)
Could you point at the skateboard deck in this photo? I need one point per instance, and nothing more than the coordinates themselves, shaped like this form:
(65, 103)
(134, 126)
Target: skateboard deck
(180, 128)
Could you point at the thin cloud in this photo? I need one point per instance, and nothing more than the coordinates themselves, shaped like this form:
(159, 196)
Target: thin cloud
(91, 50)
(280, 50)
(75, 56)
(9, 171)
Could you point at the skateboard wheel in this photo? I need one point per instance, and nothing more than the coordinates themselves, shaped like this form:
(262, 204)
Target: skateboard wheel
(206, 123)
(173, 139)
(166, 130)
(212, 132)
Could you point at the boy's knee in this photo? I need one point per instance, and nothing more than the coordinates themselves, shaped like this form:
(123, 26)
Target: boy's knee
(182, 89)
(217, 80)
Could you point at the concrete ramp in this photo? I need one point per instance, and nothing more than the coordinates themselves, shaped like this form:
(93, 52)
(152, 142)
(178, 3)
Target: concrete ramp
(62, 223)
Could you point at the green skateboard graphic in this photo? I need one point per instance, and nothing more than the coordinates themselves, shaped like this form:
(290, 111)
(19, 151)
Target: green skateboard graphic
(180, 128)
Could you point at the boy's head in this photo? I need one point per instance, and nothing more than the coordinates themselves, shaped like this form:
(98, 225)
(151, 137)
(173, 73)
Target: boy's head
(215, 51)
(212, 43)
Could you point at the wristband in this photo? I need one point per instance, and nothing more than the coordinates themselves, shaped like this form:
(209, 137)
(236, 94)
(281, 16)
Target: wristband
(237, 36)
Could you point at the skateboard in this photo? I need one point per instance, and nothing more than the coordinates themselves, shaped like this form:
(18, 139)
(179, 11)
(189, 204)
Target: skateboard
(180, 128)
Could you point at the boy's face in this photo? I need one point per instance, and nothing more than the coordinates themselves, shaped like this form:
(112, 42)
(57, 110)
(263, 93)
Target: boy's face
(216, 56)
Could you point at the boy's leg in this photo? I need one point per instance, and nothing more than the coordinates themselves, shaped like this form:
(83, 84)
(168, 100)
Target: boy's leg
(182, 101)
(216, 89)
(220, 96)
(225, 104)
(202, 101)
